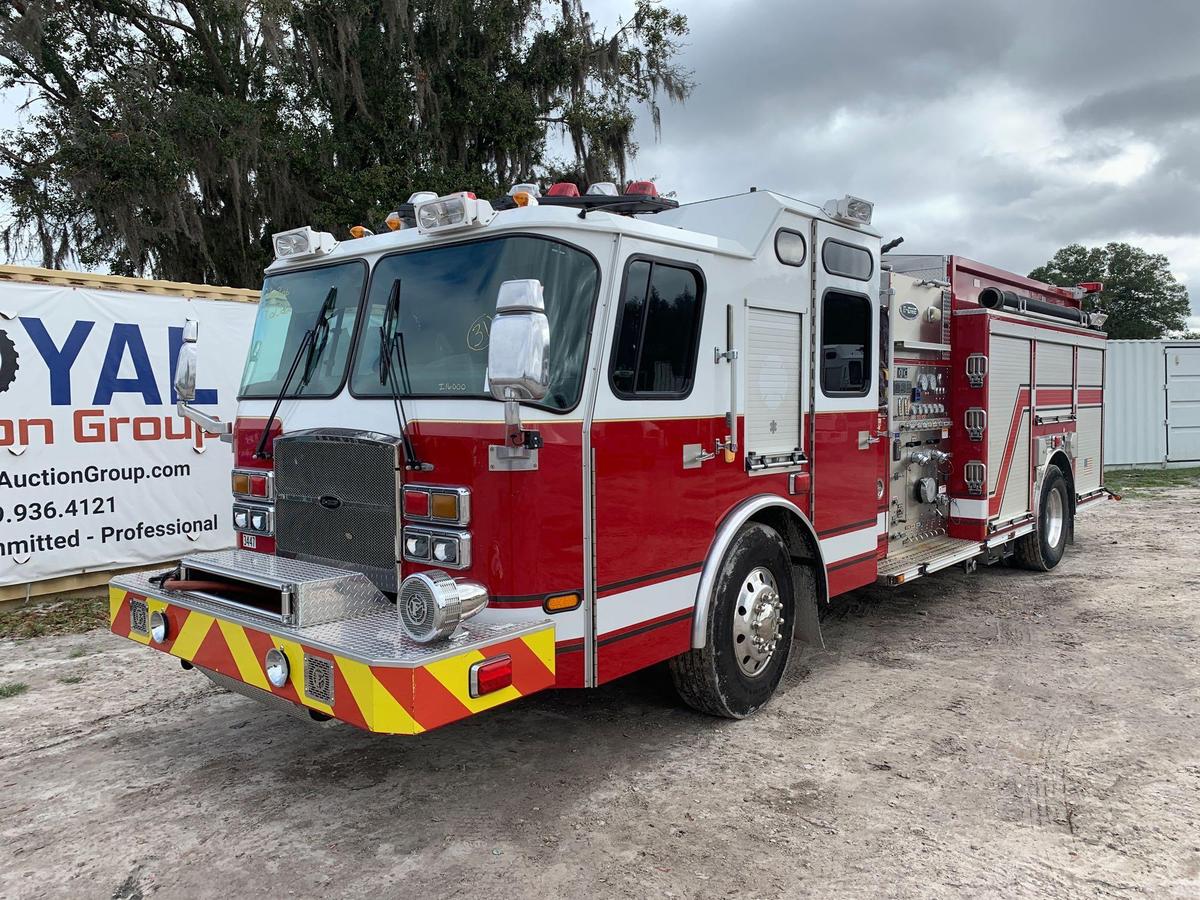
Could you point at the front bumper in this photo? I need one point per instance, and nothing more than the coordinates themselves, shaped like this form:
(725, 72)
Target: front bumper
(364, 670)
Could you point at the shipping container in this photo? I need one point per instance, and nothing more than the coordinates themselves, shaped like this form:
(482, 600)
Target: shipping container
(1152, 403)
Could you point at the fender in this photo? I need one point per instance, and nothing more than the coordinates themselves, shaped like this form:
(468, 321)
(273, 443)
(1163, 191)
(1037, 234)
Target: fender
(732, 523)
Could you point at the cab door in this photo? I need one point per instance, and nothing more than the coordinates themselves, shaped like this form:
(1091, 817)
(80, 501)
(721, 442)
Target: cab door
(847, 440)
(653, 436)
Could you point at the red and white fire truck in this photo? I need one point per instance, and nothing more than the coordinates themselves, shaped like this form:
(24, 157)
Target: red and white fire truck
(547, 441)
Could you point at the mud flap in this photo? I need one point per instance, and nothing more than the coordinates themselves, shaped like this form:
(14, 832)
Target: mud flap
(808, 618)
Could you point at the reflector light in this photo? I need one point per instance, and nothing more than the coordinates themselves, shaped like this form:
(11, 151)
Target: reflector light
(563, 189)
(607, 188)
(301, 242)
(416, 503)
(643, 188)
(445, 506)
(453, 211)
(358, 231)
(491, 675)
(523, 199)
(524, 188)
(850, 209)
(561, 603)
(393, 221)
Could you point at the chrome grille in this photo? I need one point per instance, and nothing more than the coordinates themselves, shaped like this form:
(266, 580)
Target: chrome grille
(318, 679)
(336, 501)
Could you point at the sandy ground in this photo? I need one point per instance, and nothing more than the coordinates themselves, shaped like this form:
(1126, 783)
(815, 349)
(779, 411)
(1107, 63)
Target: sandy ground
(995, 734)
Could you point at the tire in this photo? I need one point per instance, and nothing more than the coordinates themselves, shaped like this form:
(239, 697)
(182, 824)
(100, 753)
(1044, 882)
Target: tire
(754, 598)
(1042, 549)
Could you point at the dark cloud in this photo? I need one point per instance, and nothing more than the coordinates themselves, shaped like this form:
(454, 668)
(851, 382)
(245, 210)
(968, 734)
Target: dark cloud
(999, 128)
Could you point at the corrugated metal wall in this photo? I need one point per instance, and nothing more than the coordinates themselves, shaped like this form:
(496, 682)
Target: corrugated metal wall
(1134, 404)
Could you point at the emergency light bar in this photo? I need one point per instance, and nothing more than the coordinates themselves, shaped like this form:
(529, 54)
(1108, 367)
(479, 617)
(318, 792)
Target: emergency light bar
(459, 210)
(855, 210)
(302, 242)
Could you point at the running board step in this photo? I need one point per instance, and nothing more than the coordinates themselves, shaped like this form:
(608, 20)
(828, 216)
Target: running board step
(928, 556)
(287, 591)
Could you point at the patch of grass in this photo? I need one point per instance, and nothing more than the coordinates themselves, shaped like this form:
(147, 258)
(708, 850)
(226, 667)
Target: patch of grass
(70, 679)
(1144, 482)
(78, 652)
(12, 689)
(72, 616)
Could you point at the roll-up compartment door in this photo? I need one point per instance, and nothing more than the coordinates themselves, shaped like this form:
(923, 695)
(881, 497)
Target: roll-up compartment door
(773, 386)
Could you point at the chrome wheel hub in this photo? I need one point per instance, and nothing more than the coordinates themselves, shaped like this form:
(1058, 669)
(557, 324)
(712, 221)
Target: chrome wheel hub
(1055, 518)
(757, 621)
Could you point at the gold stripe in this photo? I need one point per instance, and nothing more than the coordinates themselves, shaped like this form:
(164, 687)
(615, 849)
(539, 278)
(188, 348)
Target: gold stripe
(115, 597)
(382, 711)
(191, 635)
(243, 654)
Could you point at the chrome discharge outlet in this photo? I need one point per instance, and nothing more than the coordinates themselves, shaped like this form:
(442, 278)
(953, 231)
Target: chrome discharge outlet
(432, 604)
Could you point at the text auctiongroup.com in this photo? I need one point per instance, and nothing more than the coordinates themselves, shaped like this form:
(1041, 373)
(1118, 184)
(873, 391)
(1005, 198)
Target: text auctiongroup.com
(52, 477)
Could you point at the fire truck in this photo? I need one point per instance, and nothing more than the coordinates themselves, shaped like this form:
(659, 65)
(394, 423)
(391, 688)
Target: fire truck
(549, 440)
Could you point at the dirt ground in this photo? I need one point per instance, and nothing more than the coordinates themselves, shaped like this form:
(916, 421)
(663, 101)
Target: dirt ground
(995, 734)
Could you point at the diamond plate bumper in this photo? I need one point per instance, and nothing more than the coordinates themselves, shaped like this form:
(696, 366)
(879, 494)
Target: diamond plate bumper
(370, 673)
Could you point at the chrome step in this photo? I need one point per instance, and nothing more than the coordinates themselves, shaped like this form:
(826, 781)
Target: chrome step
(926, 557)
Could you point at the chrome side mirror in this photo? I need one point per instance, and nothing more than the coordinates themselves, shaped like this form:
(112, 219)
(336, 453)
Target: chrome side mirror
(518, 368)
(185, 364)
(519, 345)
(185, 385)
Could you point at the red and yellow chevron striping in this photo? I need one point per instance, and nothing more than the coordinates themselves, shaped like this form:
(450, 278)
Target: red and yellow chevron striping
(385, 699)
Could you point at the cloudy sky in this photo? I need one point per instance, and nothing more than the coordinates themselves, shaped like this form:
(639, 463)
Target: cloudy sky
(999, 129)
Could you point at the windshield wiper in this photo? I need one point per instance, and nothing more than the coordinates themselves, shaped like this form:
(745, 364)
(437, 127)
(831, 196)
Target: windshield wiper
(310, 343)
(391, 342)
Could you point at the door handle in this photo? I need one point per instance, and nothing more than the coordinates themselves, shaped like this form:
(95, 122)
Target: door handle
(694, 456)
(867, 438)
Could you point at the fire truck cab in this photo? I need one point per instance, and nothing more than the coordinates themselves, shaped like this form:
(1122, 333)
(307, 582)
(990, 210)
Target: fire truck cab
(552, 440)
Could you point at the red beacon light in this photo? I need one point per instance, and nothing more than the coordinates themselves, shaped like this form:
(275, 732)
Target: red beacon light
(1091, 287)
(563, 189)
(642, 188)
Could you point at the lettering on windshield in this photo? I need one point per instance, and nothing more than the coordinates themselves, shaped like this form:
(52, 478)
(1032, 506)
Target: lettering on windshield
(479, 333)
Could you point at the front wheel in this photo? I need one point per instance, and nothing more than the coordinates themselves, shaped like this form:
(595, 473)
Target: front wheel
(749, 629)
(1042, 549)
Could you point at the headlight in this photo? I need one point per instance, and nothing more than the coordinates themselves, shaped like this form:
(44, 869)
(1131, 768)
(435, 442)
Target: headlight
(241, 518)
(276, 665)
(254, 518)
(432, 605)
(158, 627)
(451, 549)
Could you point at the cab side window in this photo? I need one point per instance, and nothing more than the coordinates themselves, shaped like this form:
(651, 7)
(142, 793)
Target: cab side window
(658, 331)
(845, 344)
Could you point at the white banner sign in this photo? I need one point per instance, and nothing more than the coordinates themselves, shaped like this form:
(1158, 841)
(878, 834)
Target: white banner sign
(96, 469)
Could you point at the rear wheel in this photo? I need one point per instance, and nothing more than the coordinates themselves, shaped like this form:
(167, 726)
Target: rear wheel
(1042, 549)
(749, 629)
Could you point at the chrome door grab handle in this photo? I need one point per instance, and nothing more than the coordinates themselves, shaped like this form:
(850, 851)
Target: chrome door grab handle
(694, 456)
(866, 439)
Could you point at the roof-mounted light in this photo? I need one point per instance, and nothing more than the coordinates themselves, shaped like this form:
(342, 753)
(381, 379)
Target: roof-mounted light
(302, 242)
(525, 187)
(855, 210)
(563, 189)
(642, 189)
(459, 210)
(607, 188)
(524, 198)
(360, 231)
(393, 221)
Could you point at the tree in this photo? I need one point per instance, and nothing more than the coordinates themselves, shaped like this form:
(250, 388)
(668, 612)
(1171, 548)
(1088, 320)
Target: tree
(1141, 296)
(172, 137)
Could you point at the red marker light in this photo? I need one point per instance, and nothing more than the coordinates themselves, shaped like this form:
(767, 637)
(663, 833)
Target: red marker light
(258, 485)
(563, 189)
(643, 188)
(1091, 287)
(491, 675)
(416, 504)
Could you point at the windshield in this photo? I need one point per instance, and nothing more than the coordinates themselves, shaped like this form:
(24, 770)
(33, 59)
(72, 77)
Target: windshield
(447, 298)
(289, 306)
